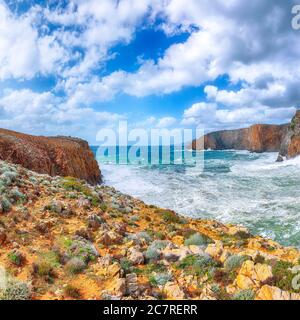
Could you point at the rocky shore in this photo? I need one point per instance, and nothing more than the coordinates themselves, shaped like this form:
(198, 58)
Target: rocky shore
(61, 238)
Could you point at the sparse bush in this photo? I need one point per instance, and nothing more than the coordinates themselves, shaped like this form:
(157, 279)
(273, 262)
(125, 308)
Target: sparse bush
(170, 216)
(75, 265)
(43, 269)
(197, 239)
(16, 257)
(160, 279)
(16, 290)
(152, 254)
(126, 265)
(5, 204)
(73, 184)
(234, 262)
(244, 295)
(72, 292)
(197, 264)
(283, 276)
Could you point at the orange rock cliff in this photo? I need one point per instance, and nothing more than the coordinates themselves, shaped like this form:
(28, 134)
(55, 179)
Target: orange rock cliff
(284, 139)
(63, 156)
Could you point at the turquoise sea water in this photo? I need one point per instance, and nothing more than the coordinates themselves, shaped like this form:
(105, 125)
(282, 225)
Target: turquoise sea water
(235, 186)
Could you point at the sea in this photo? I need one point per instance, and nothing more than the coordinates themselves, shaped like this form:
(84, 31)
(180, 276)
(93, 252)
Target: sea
(238, 187)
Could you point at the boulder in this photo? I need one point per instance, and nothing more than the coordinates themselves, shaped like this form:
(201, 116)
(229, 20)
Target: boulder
(273, 293)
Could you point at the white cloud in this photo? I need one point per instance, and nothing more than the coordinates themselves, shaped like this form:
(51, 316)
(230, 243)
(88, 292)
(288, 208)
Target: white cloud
(44, 113)
(166, 122)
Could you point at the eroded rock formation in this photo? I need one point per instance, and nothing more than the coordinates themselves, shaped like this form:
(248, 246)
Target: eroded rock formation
(63, 156)
(258, 138)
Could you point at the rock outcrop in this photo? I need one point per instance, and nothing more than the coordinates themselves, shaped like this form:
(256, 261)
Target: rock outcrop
(290, 146)
(284, 139)
(63, 156)
(257, 138)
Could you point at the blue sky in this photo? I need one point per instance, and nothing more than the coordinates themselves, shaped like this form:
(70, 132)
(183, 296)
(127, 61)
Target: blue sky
(74, 67)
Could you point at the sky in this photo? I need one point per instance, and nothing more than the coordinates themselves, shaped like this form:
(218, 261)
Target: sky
(74, 67)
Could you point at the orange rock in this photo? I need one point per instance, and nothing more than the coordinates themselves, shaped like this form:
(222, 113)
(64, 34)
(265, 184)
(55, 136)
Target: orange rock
(62, 156)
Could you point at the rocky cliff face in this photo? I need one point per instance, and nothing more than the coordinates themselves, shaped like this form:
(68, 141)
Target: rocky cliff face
(257, 138)
(290, 146)
(63, 156)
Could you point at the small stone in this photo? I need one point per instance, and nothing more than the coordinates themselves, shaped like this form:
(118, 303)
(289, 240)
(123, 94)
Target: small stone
(117, 287)
(215, 250)
(135, 256)
(132, 284)
(173, 291)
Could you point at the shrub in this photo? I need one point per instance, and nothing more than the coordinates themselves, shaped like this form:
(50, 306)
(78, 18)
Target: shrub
(5, 204)
(234, 262)
(16, 290)
(43, 269)
(73, 184)
(16, 257)
(16, 195)
(103, 207)
(170, 216)
(72, 292)
(197, 239)
(152, 254)
(160, 279)
(126, 265)
(197, 264)
(244, 295)
(75, 265)
(283, 275)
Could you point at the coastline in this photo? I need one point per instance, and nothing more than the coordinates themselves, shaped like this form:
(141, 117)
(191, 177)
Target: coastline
(64, 239)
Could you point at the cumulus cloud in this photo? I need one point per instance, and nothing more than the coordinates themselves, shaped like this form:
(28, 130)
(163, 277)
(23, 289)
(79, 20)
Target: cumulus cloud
(40, 113)
(254, 45)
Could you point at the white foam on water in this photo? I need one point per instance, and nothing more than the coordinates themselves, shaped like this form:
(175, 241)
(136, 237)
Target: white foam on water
(255, 191)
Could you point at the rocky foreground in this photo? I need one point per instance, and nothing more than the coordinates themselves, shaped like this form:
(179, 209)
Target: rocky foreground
(63, 239)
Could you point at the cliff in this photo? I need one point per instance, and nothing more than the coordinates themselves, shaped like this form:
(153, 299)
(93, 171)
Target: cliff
(257, 138)
(63, 156)
(290, 146)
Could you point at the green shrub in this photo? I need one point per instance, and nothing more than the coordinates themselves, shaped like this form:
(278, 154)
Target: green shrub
(197, 264)
(244, 295)
(170, 216)
(283, 276)
(160, 279)
(197, 239)
(16, 290)
(16, 257)
(43, 268)
(5, 204)
(73, 184)
(126, 265)
(234, 262)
